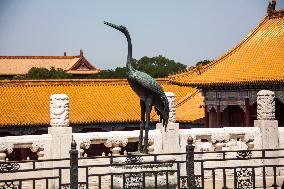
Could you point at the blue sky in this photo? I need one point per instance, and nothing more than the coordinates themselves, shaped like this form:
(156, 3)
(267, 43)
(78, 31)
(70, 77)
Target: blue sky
(186, 30)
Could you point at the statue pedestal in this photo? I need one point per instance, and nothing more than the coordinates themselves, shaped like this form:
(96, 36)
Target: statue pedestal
(61, 140)
(133, 176)
(270, 140)
(269, 133)
(170, 137)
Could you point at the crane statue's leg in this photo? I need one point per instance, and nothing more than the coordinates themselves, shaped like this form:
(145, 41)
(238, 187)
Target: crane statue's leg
(142, 124)
(148, 104)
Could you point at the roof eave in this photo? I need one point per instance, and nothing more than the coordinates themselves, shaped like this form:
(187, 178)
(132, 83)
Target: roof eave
(257, 84)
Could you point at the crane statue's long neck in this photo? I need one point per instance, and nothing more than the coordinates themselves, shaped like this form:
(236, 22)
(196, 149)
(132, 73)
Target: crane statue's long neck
(124, 30)
(129, 55)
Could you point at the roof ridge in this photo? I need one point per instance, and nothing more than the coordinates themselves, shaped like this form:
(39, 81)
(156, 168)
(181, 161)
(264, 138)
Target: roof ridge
(63, 81)
(242, 82)
(181, 101)
(39, 57)
(187, 97)
(276, 13)
(71, 64)
(41, 80)
(181, 74)
(69, 82)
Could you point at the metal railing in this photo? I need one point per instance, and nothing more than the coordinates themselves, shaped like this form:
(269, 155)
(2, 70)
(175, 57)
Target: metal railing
(18, 174)
(240, 169)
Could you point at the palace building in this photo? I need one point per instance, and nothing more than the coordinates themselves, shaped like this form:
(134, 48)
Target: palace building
(19, 65)
(222, 93)
(231, 82)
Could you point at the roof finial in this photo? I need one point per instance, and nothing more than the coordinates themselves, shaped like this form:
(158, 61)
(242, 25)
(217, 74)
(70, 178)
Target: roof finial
(64, 53)
(271, 7)
(81, 52)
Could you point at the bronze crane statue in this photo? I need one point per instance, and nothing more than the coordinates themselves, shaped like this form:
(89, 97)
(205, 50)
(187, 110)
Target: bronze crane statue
(149, 91)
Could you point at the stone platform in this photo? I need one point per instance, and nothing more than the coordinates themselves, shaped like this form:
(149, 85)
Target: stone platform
(133, 176)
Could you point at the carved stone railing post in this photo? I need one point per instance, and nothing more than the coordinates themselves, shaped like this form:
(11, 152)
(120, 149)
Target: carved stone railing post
(267, 124)
(59, 110)
(172, 106)
(265, 105)
(5, 147)
(114, 143)
(151, 147)
(60, 130)
(266, 119)
(2, 156)
(38, 148)
(170, 135)
(84, 145)
(219, 140)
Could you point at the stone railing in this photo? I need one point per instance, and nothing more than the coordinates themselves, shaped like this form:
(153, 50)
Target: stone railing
(281, 145)
(56, 144)
(116, 139)
(39, 144)
(220, 139)
(205, 139)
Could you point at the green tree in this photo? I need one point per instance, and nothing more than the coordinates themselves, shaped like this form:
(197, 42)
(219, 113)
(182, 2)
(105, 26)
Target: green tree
(117, 73)
(44, 73)
(156, 67)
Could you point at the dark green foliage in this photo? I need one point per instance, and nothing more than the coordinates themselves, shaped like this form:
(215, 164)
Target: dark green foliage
(110, 74)
(156, 67)
(202, 63)
(43, 73)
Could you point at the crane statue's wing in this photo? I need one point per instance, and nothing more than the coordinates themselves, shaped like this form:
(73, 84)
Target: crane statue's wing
(148, 82)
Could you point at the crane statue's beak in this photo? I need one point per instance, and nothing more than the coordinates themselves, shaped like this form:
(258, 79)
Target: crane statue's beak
(120, 28)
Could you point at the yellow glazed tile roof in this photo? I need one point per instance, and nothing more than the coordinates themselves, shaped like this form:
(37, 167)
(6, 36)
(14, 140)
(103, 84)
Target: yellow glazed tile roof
(83, 72)
(190, 108)
(258, 59)
(19, 65)
(91, 101)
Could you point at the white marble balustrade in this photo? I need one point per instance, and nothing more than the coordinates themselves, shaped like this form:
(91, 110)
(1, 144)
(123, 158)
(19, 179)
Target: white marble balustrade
(37, 143)
(117, 139)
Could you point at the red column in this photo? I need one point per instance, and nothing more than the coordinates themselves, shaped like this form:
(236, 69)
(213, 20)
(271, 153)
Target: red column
(247, 113)
(219, 121)
(206, 117)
